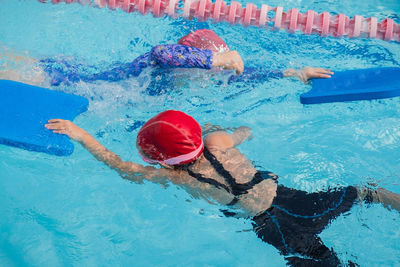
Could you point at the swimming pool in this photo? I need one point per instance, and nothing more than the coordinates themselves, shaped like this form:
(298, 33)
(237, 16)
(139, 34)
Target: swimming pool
(75, 211)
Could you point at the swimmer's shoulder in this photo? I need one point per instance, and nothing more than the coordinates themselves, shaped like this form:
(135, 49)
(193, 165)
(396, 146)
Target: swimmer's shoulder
(223, 147)
(219, 140)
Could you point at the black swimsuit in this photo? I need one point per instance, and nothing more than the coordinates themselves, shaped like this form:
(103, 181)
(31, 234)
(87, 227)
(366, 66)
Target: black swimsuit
(234, 188)
(295, 218)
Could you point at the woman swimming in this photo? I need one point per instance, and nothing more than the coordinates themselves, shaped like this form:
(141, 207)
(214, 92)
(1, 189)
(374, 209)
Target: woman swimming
(287, 218)
(201, 49)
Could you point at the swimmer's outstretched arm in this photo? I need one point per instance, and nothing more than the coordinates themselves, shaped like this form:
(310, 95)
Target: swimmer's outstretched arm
(127, 169)
(308, 73)
(260, 74)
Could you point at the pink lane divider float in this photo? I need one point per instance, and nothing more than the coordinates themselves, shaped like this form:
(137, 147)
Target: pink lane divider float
(274, 18)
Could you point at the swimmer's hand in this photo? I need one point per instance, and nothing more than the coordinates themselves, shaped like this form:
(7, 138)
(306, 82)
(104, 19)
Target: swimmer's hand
(68, 128)
(308, 73)
(230, 60)
(127, 169)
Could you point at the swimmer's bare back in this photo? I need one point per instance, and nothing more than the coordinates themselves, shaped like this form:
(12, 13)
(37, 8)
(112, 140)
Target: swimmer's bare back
(223, 146)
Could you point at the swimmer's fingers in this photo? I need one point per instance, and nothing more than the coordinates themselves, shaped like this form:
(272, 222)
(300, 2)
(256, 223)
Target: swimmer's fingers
(58, 128)
(239, 69)
(323, 71)
(321, 75)
(55, 120)
(66, 127)
(239, 65)
(60, 131)
(56, 124)
(309, 73)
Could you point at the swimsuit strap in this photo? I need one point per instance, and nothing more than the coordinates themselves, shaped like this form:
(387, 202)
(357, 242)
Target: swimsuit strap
(219, 168)
(235, 188)
(210, 181)
(259, 176)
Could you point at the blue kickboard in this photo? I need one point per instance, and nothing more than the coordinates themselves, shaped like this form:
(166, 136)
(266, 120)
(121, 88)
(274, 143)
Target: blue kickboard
(25, 109)
(351, 85)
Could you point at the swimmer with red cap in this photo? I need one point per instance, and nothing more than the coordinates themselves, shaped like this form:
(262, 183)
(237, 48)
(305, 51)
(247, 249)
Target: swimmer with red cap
(212, 167)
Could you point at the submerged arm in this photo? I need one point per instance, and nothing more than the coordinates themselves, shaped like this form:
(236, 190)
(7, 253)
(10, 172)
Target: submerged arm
(260, 74)
(308, 73)
(387, 198)
(224, 140)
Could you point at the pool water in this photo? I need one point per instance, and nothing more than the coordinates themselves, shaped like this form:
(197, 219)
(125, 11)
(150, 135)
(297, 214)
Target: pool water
(62, 211)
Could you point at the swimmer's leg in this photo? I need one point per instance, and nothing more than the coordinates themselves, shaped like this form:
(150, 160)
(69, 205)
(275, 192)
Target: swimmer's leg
(387, 198)
(313, 253)
(20, 68)
(32, 78)
(299, 247)
(295, 219)
(9, 55)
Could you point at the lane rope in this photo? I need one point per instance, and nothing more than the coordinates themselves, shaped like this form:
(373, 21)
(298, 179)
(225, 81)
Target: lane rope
(274, 18)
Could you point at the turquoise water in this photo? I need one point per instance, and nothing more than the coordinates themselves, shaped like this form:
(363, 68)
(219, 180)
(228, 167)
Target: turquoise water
(75, 211)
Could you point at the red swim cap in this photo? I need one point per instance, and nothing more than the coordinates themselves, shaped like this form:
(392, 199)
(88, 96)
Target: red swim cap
(171, 137)
(204, 39)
